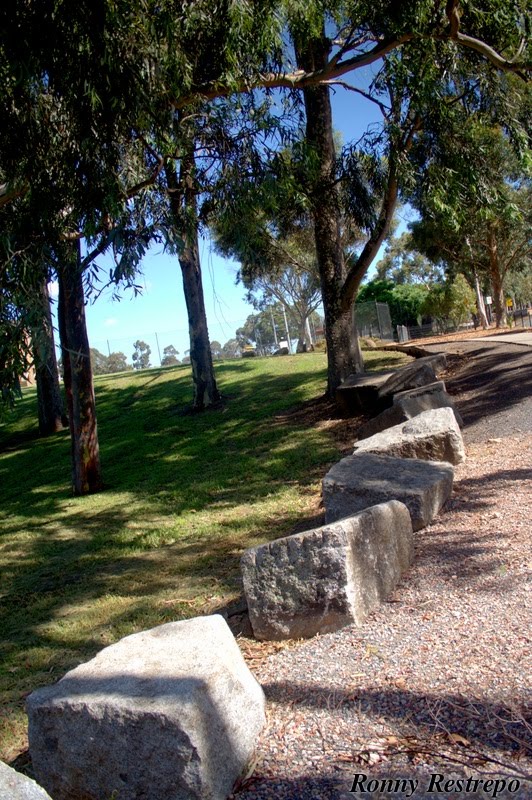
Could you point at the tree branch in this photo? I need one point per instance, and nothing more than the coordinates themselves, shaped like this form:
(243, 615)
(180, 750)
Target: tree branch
(298, 79)
(384, 109)
(380, 231)
(335, 69)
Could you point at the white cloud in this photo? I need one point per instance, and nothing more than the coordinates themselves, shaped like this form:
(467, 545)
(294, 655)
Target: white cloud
(110, 322)
(53, 289)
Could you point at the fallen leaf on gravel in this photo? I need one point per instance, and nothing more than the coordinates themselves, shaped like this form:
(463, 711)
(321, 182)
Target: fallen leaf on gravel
(455, 738)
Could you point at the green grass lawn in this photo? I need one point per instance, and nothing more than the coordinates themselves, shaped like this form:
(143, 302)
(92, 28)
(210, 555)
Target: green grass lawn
(185, 495)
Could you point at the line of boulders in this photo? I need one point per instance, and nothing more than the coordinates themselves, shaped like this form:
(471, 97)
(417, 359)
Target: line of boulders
(395, 483)
(174, 712)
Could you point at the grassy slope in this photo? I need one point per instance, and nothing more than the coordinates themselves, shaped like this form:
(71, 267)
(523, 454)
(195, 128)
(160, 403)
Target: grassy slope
(186, 494)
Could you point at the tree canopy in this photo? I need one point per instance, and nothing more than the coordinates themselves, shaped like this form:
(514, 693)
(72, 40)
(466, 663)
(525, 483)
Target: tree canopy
(100, 100)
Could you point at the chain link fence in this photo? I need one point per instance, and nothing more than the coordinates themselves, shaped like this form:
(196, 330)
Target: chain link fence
(373, 320)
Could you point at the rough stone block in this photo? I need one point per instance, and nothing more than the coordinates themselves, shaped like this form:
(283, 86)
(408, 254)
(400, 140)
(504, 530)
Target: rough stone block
(14, 786)
(432, 436)
(360, 393)
(362, 480)
(409, 404)
(386, 419)
(430, 388)
(420, 372)
(172, 712)
(322, 579)
(425, 398)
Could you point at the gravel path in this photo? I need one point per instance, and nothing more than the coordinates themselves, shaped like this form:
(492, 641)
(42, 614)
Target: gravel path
(436, 680)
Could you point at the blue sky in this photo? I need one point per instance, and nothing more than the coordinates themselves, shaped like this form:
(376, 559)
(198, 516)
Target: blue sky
(159, 313)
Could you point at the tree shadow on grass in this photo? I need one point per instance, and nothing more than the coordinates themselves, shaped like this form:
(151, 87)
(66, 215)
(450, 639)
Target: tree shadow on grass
(68, 557)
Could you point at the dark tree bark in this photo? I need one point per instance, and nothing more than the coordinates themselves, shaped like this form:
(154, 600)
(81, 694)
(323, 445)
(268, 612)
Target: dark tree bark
(343, 351)
(86, 469)
(51, 413)
(184, 212)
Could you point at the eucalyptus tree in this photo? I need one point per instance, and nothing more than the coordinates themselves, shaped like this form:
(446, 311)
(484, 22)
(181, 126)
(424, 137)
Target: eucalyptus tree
(50, 405)
(277, 254)
(475, 202)
(420, 76)
(82, 84)
(74, 90)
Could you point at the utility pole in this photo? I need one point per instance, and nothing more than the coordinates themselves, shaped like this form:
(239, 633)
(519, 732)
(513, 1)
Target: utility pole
(158, 349)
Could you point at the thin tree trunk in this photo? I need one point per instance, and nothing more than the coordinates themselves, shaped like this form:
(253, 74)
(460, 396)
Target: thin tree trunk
(205, 389)
(86, 469)
(480, 302)
(496, 279)
(343, 351)
(50, 407)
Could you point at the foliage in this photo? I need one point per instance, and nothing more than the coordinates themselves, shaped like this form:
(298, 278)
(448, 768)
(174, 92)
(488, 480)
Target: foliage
(403, 264)
(475, 199)
(267, 328)
(104, 365)
(170, 356)
(231, 349)
(406, 301)
(519, 286)
(454, 300)
(141, 355)
(462, 301)
(94, 98)
(216, 349)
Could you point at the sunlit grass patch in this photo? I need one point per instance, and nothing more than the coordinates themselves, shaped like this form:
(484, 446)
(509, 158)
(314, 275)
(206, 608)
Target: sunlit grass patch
(184, 495)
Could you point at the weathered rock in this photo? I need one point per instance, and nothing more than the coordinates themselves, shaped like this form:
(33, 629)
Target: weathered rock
(431, 388)
(172, 712)
(360, 392)
(409, 404)
(386, 419)
(415, 401)
(322, 579)
(420, 372)
(362, 480)
(14, 786)
(432, 436)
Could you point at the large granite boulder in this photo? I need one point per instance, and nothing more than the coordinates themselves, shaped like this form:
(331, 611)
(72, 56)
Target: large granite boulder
(432, 436)
(420, 372)
(322, 579)
(14, 786)
(172, 712)
(425, 398)
(408, 404)
(386, 419)
(362, 480)
(360, 393)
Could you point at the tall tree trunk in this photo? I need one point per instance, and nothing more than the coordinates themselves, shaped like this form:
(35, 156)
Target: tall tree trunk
(496, 278)
(51, 412)
(304, 341)
(205, 389)
(343, 350)
(86, 469)
(481, 308)
(184, 212)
